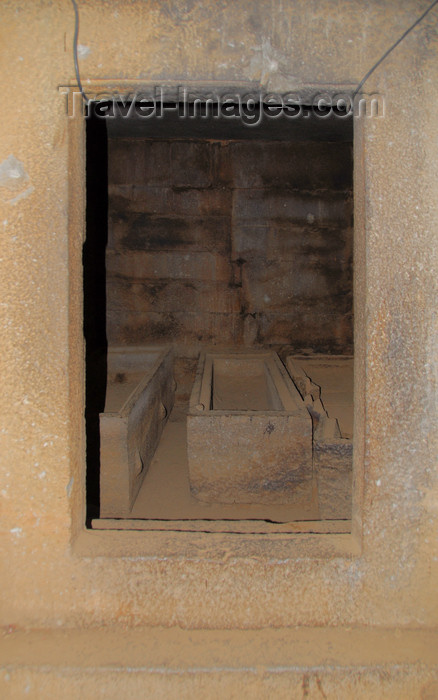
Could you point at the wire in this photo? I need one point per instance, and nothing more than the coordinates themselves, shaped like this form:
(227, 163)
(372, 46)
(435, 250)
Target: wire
(360, 85)
(376, 65)
(75, 52)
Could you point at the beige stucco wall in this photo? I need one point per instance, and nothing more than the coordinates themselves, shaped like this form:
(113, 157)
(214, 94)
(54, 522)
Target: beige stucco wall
(58, 575)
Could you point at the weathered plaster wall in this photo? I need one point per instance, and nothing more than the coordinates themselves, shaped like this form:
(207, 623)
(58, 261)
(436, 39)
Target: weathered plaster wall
(236, 243)
(57, 575)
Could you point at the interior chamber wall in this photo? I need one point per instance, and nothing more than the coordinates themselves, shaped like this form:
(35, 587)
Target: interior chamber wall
(231, 243)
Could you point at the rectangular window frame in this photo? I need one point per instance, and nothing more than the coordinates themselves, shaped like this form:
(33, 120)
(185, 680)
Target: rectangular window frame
(309, 539)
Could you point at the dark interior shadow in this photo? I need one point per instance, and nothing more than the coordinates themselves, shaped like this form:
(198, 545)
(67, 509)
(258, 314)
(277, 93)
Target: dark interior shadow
(95, 299)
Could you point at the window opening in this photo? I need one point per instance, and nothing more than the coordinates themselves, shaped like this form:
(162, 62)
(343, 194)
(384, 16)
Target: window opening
(218, 318)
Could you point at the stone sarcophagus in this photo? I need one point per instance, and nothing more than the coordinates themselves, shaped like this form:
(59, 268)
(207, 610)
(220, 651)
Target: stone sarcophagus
(139, 398)
(249, 434)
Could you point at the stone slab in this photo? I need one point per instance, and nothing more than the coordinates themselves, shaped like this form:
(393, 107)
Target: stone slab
(137, 407)
(333, 463)
(332, 454)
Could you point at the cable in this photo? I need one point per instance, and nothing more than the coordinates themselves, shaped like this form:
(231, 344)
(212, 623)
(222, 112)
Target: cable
(376, 65)
(75, 52)
(360, 85)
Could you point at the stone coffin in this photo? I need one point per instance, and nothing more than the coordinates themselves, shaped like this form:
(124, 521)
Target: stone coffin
(249, 434)
(332, 453)
(139, 398)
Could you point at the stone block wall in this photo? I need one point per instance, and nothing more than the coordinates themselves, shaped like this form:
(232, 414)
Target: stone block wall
(230, 243)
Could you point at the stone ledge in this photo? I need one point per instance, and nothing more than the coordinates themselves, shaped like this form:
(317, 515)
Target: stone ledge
(174, 663)
(175, 648)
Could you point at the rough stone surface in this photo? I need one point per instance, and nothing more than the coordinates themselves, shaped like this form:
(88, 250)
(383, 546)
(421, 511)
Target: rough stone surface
(333, 464)
(176, 663)
(249, 435)
(57, 575)
(243, 459)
